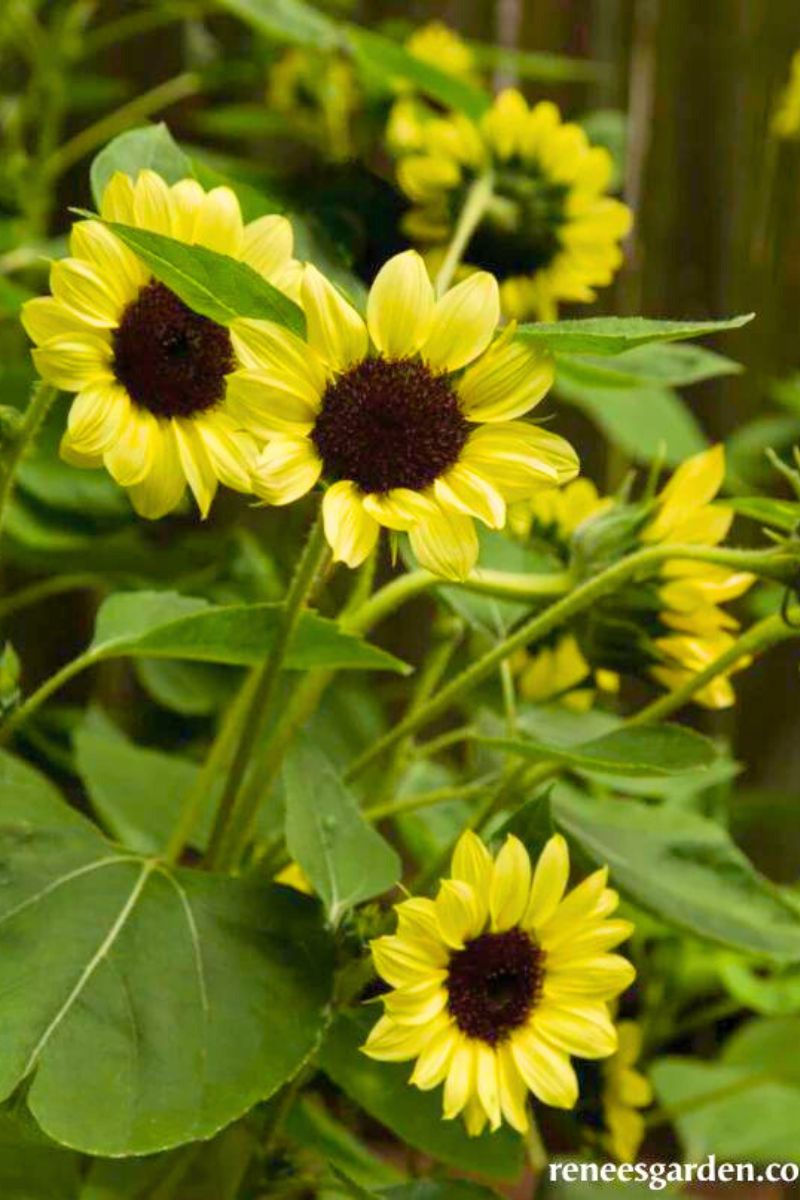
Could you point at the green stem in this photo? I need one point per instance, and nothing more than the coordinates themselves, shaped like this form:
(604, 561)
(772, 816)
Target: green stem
(643, 562)
(83, 143)
(43, 396)
(233, 822)
(475, 204)
(442, 795)
(43, 693)
(133, 25)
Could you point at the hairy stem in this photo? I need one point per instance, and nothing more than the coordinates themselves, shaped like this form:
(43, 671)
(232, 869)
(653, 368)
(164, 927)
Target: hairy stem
(469, 219)
(43, 396)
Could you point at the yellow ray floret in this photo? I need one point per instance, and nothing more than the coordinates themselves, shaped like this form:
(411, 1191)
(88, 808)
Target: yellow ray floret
(411, 417)
(550, 230)
(500, 980)
(625, 1092)
(151, 375)
(698, 630)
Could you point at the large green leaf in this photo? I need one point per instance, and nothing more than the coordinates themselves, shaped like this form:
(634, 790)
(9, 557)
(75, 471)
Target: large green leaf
(668, 364)
(383, 1091)
(614, 335)
(151, 146)
(776, 514)
(646, 750)
(345, 859)
(645, 421)
(168, 625)
(685, 869)
(730, 1111)
(144, 1007)
(216, 285)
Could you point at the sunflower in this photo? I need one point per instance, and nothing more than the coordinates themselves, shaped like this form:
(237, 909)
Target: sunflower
(411, 418)
(624, 1092)
(440, 46)
(696, 630)
(550, 232)
(151, 374)
(500, 979)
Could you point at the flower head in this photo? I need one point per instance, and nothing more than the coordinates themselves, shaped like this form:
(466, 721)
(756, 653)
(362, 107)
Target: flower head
(411, 417)
(696, 629)
(550, 232)
(150, 374)
(499, 980)
(439, 45)
(625, 1091)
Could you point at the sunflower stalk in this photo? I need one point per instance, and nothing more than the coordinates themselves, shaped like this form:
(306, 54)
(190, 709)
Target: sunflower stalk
(475, 205)
(18, 444)
(641, 564)
(234, 821)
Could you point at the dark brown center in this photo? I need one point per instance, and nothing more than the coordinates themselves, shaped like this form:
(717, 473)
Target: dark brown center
(170, 360)
(389, 423)
(493, 983)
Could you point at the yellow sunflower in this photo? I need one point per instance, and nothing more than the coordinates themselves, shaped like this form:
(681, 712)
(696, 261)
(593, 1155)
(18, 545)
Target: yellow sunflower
(150, 374)
(411, 417)
(625, 1092)
(550, 232)
(499, 980)
(439, 45)
(697, 630)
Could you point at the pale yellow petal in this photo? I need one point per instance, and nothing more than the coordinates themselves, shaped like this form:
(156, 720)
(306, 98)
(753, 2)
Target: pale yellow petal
(117, 201)
(74, 361)
(261, 345)
(399, 508)
(519, 459)
(463, 323)
(576, 907)
(506, 383)
(97, 416)
(581, 1028)
(567, 943)
(163, 487)
(460, 1083)
(418, 1004)
(601, 977)
(152, 204)
(232, 451)
(487, 1083)
(129, 458)
(468, 492)
(335, 330)
(45, 317)
(400, 306)
(218, 222)
(434, 1060)
(546, 1071)
(268, 244)
(404, 962)
(285, 470)
(472, 863)
(460, 913)
(417, 917)
(187, 197)
(122, 273)
(350, 530)
(78, 285)
(196, 463)
(390, 1042)
(269, 404)
(513, 1090)
(549, 882)
(510, 886)
(446, 543)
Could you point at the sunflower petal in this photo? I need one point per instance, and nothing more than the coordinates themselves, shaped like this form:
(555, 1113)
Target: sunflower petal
(510, 886)
(549, 882)
(460, 1083)
(285, 470)
(546, 1070)
(468, 492)
(218, 222)
(196, 463)
(350, 530)
(74, 361)
(335, 330)
(463, 323)
(130, 456)
(507, 382)
(584, 1029)
(268, 244)
(400, 306)
(446, 543)
(163, 487)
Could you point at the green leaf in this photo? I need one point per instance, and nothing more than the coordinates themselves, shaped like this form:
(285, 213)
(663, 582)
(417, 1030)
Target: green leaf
(544, 67)
(390, 62)
(668, 364)
(151, 146)
(216, 285)
(159, 1005)
(645, 422)
(731, 1111)
(614, 335)
(646, 750)
(761, 1045)
(287, 20)
(685, 869)
(312, 1126)
(168, 625)
(438, 1189)
(773, 994)
(775, 514)
(382, 1090)
(31, 1166)
(343, 857)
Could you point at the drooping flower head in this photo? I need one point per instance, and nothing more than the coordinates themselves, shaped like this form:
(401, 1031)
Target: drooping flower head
(411, 417)
(150, 374)
(669, 627)
(499, 980)
(551, 232)
(439, 45)
(625, 1092)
